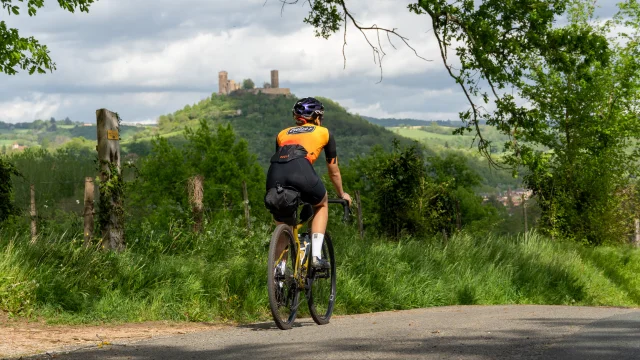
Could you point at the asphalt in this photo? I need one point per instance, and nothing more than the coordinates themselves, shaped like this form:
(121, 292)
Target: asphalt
(457, 332)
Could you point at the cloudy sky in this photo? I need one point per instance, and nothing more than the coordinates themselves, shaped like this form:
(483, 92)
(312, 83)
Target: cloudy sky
(145, 58)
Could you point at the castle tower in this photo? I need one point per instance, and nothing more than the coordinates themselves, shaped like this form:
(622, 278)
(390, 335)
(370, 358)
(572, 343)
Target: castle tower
(275, 83)
(223, 87)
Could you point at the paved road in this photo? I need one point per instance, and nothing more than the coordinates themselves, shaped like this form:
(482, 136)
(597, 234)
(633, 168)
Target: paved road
(458, 332)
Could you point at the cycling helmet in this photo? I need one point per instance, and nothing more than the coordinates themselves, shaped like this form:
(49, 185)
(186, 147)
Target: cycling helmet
(308, 109)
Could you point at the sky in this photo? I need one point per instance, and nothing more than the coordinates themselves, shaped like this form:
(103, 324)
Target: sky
(146, 58)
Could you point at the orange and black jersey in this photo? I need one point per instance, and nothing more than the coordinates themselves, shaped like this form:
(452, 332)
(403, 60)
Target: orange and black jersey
(313, 138)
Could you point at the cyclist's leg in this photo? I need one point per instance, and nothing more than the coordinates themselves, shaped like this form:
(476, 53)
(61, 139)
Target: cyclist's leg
(278, 174)
(319, 222)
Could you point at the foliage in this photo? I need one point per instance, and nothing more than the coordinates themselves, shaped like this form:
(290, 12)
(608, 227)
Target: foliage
(404, 192)
(589, 128)
(7, 207)
(111, 207)
(219, 275)
(13, 53)
(566, 95)
(160, 190)
(248, 84)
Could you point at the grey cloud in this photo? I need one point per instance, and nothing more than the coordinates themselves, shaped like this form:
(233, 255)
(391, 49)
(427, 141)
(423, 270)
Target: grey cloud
(110, 21)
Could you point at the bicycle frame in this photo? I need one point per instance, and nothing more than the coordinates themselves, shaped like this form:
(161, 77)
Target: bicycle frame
(299, 267)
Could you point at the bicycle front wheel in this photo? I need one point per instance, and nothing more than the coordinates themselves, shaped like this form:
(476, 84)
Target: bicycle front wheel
(284, 293)
(322, 288)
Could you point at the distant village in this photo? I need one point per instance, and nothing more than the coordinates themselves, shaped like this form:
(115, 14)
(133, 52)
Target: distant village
(511, 197)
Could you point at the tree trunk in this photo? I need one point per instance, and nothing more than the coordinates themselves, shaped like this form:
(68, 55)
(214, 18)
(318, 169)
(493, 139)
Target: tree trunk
(88, 210)
(247, 214)
(33, 213)
(111, 208)
(196, 193)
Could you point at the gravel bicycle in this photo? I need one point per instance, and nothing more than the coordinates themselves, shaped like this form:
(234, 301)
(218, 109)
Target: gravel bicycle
(290, 271)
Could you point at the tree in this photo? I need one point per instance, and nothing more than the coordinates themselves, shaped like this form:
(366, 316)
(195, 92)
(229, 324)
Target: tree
(248, 84)
(26, 53)
(569, 89)
(7, 207)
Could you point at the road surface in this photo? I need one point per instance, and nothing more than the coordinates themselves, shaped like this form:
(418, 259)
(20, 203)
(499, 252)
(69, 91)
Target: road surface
(455, 332)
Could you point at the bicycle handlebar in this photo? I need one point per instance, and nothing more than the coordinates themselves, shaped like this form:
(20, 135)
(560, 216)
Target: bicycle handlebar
(345, 206)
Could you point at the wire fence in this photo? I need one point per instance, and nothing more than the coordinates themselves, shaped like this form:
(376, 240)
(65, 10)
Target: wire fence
(45, 201)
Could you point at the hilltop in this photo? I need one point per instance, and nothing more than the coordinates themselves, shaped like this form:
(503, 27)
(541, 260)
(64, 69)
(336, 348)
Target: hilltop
(259, 117)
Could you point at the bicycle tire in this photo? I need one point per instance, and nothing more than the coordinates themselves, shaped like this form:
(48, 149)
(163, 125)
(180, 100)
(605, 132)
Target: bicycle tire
(284, 293)
(322, 286)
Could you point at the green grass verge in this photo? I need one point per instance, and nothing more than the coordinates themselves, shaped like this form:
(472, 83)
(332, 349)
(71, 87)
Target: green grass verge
(221, 275)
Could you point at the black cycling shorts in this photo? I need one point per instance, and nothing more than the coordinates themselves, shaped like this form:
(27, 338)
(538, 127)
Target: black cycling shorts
(299, 174)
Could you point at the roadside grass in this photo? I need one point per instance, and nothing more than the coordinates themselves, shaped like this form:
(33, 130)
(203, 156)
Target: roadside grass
(220, 275)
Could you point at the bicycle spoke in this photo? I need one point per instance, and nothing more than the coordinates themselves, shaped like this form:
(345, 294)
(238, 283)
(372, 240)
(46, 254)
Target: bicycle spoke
(322, 289)
(283, 291)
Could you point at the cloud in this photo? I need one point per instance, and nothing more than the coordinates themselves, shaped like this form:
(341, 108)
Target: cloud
(145, 58)
(33, 106)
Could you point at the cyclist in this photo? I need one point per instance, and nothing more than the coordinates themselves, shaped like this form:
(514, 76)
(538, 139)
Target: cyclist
(297, 148)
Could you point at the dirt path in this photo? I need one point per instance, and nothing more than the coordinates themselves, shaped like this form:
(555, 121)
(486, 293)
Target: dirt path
(21, 337)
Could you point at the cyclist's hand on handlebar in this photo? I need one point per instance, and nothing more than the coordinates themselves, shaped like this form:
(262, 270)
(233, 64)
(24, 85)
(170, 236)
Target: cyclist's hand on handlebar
(347, 197)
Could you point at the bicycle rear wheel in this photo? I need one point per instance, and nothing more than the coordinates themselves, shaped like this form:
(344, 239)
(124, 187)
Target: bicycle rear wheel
(284, 293)
(322, 289)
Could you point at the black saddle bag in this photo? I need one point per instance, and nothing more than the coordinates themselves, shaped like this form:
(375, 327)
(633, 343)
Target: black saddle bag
(282, 202)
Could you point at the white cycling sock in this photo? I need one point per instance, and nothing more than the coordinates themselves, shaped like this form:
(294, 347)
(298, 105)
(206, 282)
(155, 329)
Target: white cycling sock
(316, 244)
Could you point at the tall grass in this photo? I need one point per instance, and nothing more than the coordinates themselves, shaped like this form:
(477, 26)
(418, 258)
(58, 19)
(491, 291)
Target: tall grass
(220, 275)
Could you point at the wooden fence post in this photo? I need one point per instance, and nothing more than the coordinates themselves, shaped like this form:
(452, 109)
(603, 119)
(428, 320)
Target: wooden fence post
(637, 237)
(33, 214)
(245, 195)
(111, 208)
(524, 211)
(359, 209)
(196, 194)
(88, 210)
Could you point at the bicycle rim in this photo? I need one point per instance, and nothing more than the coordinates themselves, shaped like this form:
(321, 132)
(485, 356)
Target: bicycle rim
(322, 289)
(283, 290)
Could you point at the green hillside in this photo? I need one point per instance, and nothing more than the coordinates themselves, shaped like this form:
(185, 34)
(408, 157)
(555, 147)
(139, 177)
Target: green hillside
(55, 133)
(258, 118)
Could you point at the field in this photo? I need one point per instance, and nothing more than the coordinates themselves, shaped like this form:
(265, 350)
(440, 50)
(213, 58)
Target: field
(442, 137)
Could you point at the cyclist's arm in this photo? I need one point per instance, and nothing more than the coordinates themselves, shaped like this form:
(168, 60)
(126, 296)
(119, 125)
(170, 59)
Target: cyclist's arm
(336, 178)
(334, 171)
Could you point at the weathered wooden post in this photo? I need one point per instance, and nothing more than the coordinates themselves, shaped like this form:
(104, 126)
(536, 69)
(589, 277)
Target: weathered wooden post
(88, 210)
(196, 194)
(524, 213)
(359, 209)
(111, 211)
(245, 195)
(33, 214)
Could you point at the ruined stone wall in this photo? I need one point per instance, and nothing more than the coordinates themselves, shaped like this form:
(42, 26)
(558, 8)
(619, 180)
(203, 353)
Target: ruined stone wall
(223, 83)
(270, 91)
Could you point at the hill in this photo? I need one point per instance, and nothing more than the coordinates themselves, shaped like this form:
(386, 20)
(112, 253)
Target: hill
(393, 122)
(258, 118)
(52, 133)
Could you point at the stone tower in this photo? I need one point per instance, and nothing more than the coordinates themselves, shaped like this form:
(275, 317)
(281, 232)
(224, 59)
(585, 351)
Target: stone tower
(274, 79)
(223, 84)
